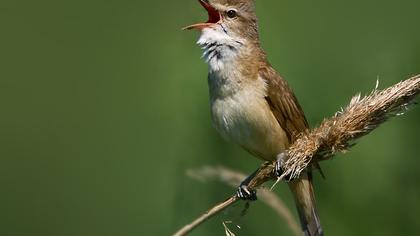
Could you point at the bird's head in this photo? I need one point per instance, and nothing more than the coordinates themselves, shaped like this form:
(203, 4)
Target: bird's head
(229, 20)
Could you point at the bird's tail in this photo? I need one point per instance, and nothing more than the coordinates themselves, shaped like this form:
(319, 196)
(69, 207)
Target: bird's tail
(303, 193)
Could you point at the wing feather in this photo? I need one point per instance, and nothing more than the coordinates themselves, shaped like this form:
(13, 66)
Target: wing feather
(283, 103)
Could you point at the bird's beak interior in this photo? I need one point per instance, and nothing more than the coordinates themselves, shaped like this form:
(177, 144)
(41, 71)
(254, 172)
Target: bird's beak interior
(214, 17)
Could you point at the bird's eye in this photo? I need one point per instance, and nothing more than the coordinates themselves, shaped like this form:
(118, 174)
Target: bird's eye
(231, 13)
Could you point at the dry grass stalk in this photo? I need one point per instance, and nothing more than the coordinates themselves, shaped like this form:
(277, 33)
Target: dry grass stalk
(333, 135)
(234, 178)
(359, 118)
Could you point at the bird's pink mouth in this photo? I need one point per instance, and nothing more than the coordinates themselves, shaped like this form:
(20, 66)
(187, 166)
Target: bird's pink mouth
(214, 17)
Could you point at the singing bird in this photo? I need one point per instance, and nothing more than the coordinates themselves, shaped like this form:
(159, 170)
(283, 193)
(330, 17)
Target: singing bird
(251, 104)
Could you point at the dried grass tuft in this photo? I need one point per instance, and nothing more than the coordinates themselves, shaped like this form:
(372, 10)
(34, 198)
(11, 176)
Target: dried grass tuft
(338, 133)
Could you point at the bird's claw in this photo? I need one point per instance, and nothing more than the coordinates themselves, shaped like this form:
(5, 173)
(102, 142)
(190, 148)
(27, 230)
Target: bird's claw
(246, 194)
(278, 169)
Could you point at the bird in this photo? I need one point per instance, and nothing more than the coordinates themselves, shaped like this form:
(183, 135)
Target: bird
(250, 103)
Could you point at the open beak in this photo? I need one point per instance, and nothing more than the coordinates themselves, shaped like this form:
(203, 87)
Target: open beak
(214, 17)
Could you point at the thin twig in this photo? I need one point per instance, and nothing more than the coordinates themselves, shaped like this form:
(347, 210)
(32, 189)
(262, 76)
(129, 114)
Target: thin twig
(234, 178)
(334, 135)
(258, 180)
(213, 211)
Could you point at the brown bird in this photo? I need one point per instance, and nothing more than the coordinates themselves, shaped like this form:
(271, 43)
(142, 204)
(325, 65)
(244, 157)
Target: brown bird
(251, 104)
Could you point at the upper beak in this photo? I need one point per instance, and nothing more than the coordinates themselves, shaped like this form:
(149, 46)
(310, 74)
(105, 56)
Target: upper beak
(214, 17)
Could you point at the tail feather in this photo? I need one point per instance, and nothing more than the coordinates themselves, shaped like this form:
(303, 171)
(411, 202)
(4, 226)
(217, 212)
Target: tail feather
(303, 192)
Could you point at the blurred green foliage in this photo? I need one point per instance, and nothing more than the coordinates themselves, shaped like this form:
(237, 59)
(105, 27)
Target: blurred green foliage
(104, 106)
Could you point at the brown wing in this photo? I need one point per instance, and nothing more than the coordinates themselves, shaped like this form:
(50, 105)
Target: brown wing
(283, 103)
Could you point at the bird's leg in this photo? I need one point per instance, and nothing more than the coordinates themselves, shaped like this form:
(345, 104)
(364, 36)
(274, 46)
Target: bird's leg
(281, 158)
(244, 192)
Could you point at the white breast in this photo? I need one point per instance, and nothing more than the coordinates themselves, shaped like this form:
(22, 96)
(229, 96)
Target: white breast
(238, 107)
(244, 117)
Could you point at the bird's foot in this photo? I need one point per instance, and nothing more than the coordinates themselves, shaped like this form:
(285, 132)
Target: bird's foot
(278, 169)
(245, 193)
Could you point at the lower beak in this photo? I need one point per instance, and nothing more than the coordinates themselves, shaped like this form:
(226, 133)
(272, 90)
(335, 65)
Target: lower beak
(198, 26)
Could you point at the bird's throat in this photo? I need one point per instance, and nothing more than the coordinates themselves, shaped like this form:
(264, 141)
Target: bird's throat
(221, 50)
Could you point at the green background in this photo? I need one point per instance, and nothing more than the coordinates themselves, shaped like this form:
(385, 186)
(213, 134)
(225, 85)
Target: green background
(104, 106)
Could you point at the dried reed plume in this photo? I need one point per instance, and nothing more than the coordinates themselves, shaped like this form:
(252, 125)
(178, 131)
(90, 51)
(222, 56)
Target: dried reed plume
(359, 118)
(334, 135)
